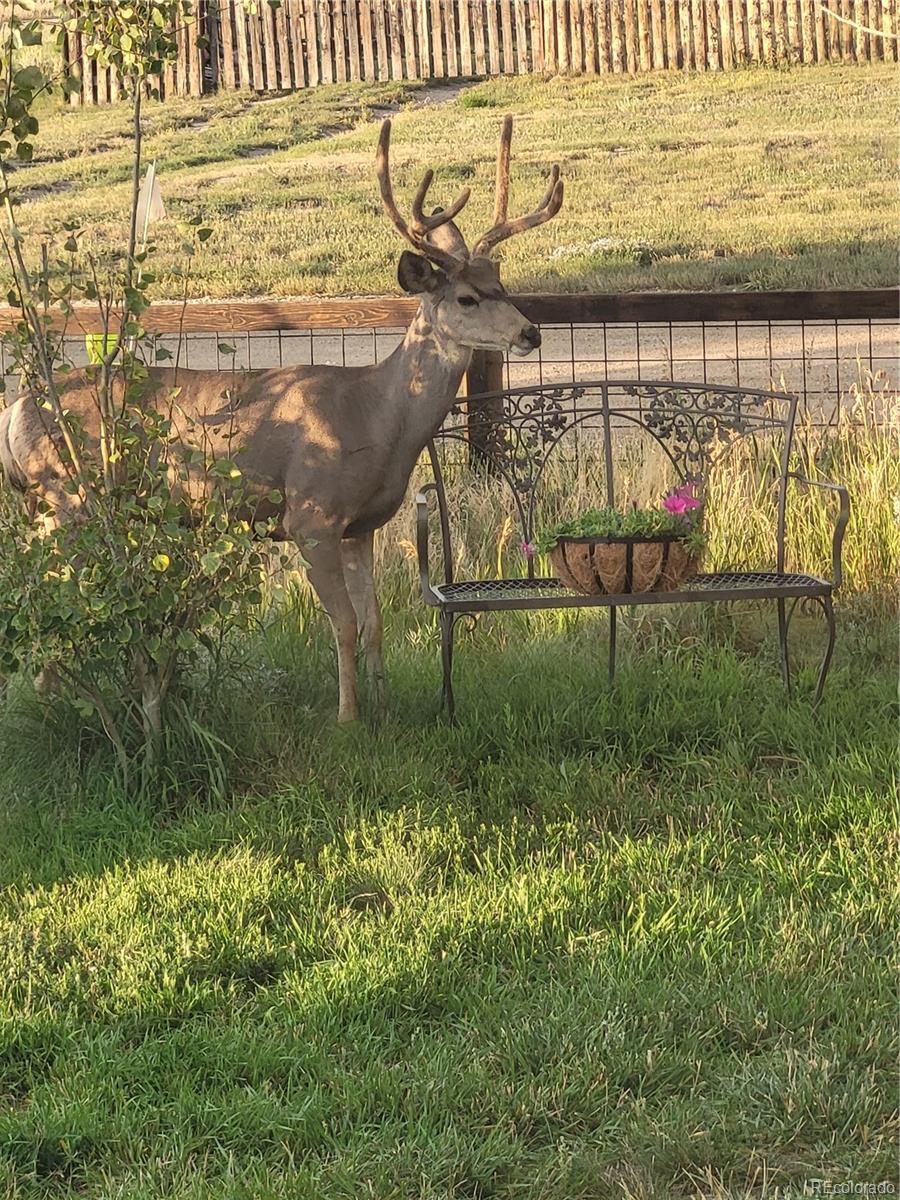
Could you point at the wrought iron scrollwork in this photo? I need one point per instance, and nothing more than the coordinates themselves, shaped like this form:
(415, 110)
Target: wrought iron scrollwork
(692, 419)
(533, 422)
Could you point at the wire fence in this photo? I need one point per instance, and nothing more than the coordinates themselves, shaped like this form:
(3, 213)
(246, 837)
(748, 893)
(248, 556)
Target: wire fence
(825, 362)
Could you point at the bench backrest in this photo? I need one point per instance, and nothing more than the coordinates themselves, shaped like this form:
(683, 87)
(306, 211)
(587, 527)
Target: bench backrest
(516, 433)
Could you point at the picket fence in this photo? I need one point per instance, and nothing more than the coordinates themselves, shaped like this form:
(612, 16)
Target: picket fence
(264, 47)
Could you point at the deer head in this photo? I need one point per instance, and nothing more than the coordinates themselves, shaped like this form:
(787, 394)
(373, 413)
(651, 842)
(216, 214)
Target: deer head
(461, 289)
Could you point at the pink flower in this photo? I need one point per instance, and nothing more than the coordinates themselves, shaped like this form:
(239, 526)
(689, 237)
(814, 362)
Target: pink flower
(681, 500)
(675, 504)
(528, 550)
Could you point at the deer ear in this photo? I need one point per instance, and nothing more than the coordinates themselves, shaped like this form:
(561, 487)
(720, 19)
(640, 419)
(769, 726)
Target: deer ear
(416, 274)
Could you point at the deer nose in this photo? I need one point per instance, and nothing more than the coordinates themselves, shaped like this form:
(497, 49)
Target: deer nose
(532, 335)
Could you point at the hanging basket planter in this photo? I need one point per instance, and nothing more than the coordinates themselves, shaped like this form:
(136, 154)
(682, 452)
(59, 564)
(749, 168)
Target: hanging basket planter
(604, 552)
(622, 566)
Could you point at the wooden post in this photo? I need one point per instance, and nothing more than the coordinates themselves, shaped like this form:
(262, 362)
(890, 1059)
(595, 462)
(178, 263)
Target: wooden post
(182, 79)
(476, 14)
(643, 24)
(590, 37)
(685, 30)
(794, 37)
(340, 42)
(242, 73)
(450, 45)
(213, 42)
(781, 32)
(425, 46)
(226, 38)
(673, 49)
(888, 26)
(563, 49)
(753, 30)
(506, 37)
(629, 37)
(364, 17)
(493, 37)
(698, 26)
(409, 40)
(713, 35)
(577, 17)
(550, 59)
(326, 30)
(295, 42)
(256, 53)
(522, 63)
(604, 49)
(353, 40)
(267, 17)
(727, 34)
(538, 62)
(862, 38)
(658, 35)
(197, 56)
(485, 374)
(394, 26)
(384, 64)
(463, 11)
(436, 41)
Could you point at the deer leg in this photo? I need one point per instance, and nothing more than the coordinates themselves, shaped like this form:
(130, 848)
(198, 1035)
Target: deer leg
(325, 573)
(358, 560)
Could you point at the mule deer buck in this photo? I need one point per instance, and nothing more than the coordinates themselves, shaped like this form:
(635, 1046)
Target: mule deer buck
(338, 443)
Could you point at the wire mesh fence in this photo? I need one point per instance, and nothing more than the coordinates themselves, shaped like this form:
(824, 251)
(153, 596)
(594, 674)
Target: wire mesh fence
(822, 361)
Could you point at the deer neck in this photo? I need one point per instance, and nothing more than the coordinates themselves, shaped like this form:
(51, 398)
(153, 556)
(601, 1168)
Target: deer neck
(424, 373)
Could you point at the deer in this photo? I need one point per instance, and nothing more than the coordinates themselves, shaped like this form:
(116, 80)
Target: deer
(338, 443)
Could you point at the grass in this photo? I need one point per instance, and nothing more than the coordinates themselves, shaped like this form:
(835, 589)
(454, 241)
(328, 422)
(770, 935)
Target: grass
(590, 943)
(771, 179)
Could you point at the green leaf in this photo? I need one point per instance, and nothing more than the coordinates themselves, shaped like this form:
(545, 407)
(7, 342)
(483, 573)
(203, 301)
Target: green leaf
(29, 77)
(161, 562)
(25, 151)
(30, 35)
(210, 563)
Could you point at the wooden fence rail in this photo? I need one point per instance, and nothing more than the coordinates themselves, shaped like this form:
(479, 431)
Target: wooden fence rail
(376, 312)
(302, 43)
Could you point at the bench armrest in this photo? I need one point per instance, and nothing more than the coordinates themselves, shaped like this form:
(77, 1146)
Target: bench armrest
(840, 524)
(422, 542)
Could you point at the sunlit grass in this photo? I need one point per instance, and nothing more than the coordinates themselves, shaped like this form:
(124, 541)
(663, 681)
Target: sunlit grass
(745, 179)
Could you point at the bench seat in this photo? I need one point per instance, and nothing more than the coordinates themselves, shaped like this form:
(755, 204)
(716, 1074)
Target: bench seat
(485, 595)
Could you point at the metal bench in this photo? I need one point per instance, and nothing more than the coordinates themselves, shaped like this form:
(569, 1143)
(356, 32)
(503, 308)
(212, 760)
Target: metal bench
(513, 435)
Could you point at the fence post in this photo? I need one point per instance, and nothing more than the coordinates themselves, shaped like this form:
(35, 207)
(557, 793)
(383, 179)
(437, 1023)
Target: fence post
(485, 374)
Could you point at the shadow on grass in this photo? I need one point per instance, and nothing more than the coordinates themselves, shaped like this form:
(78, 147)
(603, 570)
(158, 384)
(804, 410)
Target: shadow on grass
(257, 759)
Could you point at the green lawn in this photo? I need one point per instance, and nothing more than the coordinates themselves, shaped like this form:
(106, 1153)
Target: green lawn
(591, 943)
(746, 179)
(588, 944)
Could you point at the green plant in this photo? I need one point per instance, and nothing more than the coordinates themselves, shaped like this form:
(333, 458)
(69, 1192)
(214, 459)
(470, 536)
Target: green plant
(148, 556)
(681, 514)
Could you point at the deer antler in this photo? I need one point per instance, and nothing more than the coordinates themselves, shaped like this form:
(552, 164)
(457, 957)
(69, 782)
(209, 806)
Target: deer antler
(417, 234)
(550, 204)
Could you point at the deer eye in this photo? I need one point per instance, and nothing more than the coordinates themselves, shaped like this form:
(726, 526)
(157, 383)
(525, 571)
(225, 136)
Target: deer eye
(468, 301)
